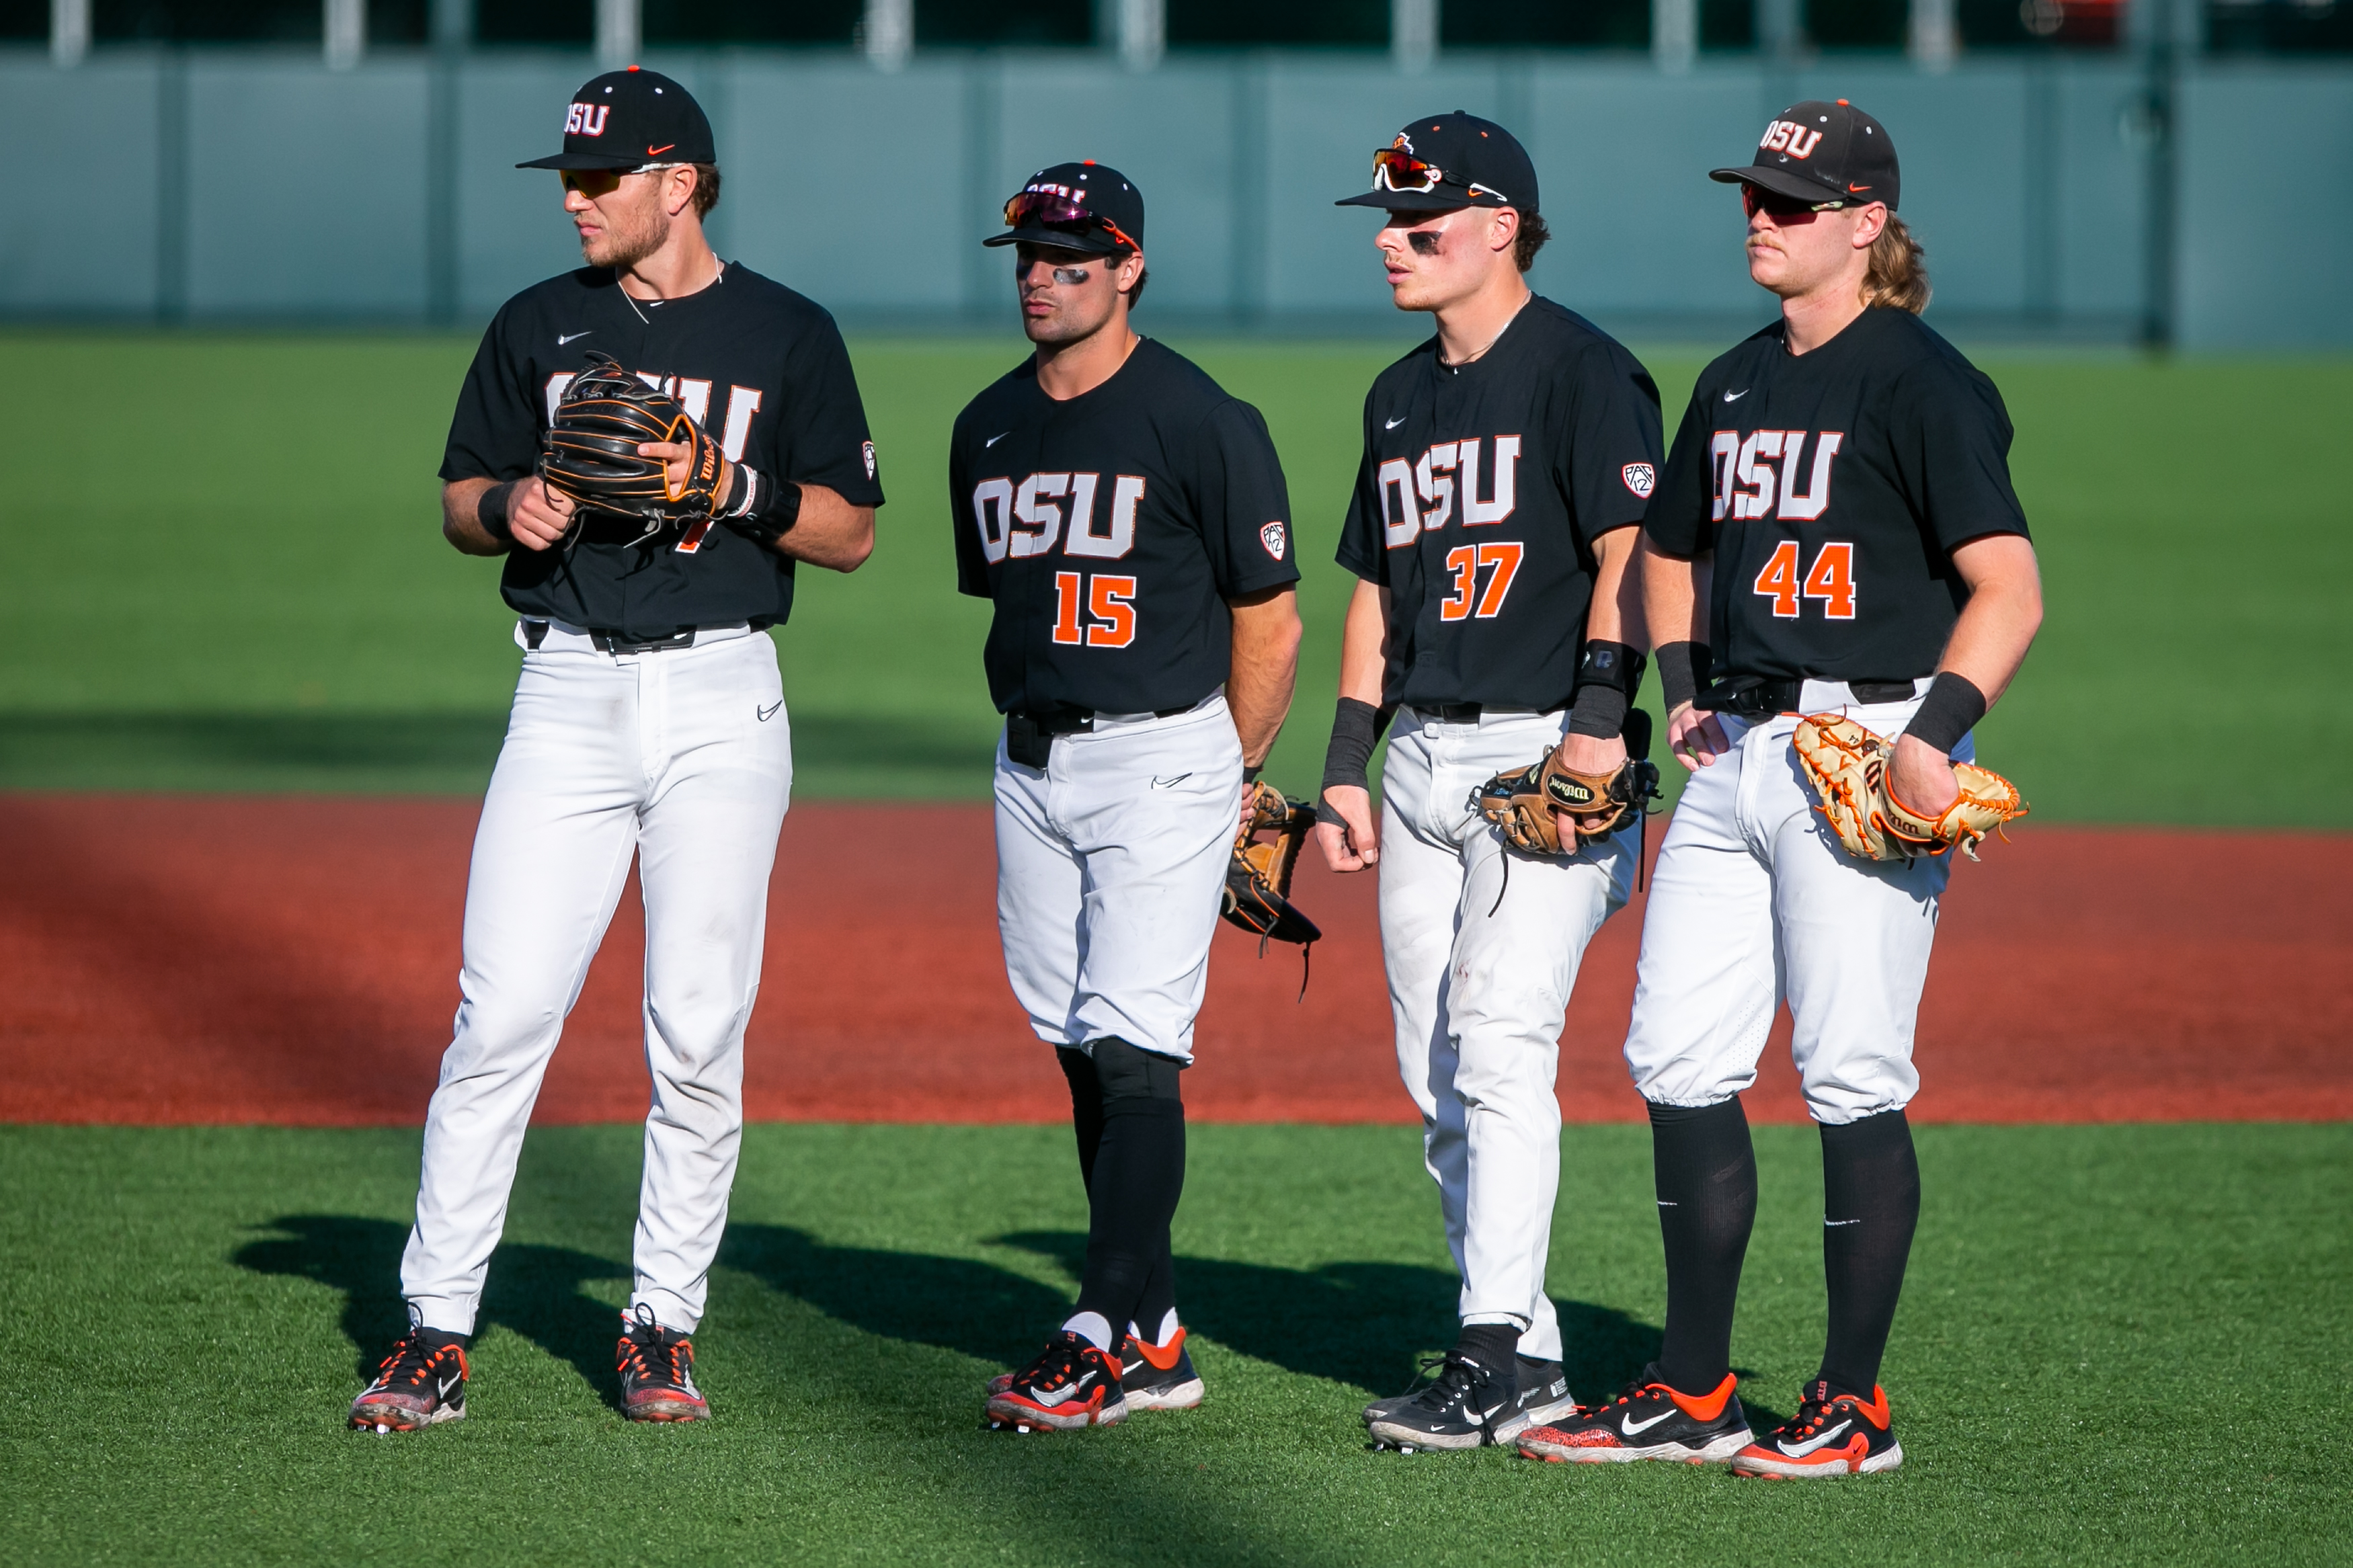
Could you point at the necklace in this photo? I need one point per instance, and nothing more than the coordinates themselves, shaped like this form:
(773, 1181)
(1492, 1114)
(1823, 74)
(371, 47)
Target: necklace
(1491, 342)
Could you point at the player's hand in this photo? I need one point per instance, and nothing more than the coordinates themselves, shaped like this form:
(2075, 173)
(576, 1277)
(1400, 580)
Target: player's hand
(539, 517)
(677, 457)
(1586, 754)
(1695, 737)
(1356, 845)
(1923, 777)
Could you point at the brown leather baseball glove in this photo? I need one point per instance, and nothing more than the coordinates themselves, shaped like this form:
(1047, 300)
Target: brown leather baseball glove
(1258, 882)
(590, 452)
(1847, 765)
(1521, 802)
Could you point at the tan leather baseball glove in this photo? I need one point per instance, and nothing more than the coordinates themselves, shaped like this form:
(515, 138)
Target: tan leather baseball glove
(1258, 882)
(1521, 802)
(1847, 765)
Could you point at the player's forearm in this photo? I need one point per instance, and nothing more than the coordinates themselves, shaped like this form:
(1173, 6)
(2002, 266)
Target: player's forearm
(1670, 587)
(829, 532)
(461, 522)
(1615, 614)
(1364, 641)
(1995, 627)
(1265, 670)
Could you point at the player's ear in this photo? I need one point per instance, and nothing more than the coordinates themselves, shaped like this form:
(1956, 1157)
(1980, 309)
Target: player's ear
(1869, 224)
(678, 193)
(1503, 228)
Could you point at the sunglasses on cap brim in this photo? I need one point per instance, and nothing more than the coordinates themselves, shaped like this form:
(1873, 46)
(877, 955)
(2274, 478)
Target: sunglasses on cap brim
(1754, 200)
(1046, 209)
(1397, 170)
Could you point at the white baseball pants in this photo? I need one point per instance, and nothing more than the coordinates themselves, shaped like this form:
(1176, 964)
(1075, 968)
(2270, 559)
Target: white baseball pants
(1753, 900)
(1110, 869)
(682, 759)
(1480, 989)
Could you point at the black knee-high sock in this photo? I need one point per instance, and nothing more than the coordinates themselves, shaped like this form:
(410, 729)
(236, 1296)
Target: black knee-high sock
(1871, 1205)
(1159, 1298)
(1706, 1170)
(1138, 1176)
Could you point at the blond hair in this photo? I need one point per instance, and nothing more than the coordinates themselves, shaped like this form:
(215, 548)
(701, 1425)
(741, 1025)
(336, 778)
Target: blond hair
(1896, 277)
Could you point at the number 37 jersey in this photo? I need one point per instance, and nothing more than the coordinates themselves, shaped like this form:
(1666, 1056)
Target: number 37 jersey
(1480, 496)
(1833, 487)
(1111, 528)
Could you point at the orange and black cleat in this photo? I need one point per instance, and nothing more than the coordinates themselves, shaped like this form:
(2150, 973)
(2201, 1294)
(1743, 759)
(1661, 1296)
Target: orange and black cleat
(1831, 1435)
(656, 1368)
(1648, 1420)
(1070, 1386)
(1158, 1377)
(420, 1383)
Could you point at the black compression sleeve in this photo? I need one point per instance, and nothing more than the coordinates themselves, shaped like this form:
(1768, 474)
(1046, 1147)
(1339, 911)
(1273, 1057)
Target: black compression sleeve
(1355, 730)
(491, 511)
(1607, 679)
(1950, 710)
(1682, 670)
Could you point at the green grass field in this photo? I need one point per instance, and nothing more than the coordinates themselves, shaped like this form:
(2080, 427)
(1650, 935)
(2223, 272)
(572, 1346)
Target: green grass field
(223, 571)
(2117, 1346)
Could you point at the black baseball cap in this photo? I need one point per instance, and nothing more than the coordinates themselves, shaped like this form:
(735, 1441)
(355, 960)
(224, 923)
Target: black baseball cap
(1820, 153)
(1465, 161)
(628, 118)
(1086, 205)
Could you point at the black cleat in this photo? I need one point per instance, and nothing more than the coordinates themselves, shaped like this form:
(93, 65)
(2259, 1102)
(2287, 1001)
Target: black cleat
(657, 1366)
(1070, 1385)
(420, 1383)
(1831, 1435)
(1648, 1420)
(1466, 1405)
(1158, 1377)
(1543, 1390)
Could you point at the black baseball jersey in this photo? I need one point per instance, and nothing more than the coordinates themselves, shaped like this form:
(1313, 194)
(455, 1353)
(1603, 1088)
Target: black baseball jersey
(1481, 494)
(761, 367)
(1833, 487)
(1111, 528)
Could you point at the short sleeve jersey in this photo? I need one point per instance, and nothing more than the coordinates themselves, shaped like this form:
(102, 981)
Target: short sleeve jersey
(1111, 528)
(760, 367)
(1479, 500)
(1833, 487)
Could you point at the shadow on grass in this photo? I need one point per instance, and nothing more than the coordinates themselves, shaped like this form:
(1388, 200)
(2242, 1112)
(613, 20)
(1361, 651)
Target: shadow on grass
(533, 1290)
(437, 753)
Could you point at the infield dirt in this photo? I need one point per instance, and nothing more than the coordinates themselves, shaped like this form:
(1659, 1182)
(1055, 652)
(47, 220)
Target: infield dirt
(294, 961)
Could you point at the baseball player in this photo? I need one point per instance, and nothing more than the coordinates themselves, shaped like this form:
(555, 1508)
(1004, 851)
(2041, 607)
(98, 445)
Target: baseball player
(1836, 539)
(1506, 462)
(649, 719)
(1129, 522)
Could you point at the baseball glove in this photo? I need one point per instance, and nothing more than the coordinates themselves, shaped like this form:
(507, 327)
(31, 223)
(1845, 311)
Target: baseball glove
(1847, 765)
(591, 450)
(1521, 802)
(1258, 880)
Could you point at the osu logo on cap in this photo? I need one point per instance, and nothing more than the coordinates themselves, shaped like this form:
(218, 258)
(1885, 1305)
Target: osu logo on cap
(586, 119)
(1788, 136)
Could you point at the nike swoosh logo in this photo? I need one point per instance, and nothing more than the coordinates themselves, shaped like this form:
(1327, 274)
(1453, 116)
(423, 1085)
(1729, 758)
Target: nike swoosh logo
(1736, 396)
(1808, 1446)
(1632, 1428)
(1064, 1395)
(575, 337)
(449, 1383)
(992, 441)
(1170, 781)
(770, 710)
(1393, 422)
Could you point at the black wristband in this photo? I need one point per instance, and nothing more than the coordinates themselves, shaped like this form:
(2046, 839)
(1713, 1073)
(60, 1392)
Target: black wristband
(1599, 711)
(1950, 710)
(775, 505)
(1682, 670)
(490, 510)
(1355, 730)
(1250, 775)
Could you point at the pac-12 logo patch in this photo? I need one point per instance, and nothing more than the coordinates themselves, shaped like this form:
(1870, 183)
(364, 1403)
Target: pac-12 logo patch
(1274, 537)
(870, 459)
(1641, 478)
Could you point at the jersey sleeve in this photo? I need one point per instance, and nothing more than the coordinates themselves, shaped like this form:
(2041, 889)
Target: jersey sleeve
(1364, 542)
(1609, 463)
(972, 565)
(494, 434)
(1680, 519)
(1951, 438)
(1243, 505)
(821, 434)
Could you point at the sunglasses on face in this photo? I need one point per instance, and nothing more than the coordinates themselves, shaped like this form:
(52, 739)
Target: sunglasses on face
(1044, 208)
(596, 183)
(1754, 201)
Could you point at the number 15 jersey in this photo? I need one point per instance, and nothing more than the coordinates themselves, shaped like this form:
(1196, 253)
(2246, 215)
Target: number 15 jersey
(1833, 487)
(1481, 495)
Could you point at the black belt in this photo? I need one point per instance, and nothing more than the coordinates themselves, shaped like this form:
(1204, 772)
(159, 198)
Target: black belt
(1451, 712)
(1748, 696)
(608, 641)
(1030, 732)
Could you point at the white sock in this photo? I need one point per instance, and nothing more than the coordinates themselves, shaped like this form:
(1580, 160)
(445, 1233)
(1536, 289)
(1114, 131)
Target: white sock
(1092, 1327)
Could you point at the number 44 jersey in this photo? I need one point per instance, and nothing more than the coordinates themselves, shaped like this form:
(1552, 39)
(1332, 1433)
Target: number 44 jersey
(1483, 491)
(1833, 487)
(1111, 528)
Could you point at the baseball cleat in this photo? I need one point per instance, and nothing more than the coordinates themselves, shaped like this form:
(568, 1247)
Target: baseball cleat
(1543, 1390)
(1467, 1405)
(420, 1383)
(1648, 1420)
(657, 1366)
(1152, 1377)
(1831, 1435)
(1071, 1384)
